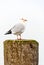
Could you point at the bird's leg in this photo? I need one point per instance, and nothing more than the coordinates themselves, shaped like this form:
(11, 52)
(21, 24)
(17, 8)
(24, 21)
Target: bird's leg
(17, 36)
(20, 37)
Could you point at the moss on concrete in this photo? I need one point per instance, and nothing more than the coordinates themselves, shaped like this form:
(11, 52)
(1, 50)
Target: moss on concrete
(21, 52)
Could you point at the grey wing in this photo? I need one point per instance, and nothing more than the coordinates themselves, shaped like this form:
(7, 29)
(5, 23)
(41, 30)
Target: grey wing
(18, 28)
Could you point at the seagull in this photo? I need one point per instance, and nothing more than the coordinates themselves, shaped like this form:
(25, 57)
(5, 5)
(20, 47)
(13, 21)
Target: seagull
(17, 29)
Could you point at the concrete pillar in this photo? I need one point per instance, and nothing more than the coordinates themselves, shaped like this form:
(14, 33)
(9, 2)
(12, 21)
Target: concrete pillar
(21, 52)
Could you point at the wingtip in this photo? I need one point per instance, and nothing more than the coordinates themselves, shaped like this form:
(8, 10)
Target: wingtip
(5, 34)
(9, 32)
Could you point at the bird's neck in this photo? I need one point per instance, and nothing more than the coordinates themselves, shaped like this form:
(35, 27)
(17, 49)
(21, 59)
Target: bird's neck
(23, 23)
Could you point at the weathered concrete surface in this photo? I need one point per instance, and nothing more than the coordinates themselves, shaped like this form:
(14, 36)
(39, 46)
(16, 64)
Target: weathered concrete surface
(21, 52)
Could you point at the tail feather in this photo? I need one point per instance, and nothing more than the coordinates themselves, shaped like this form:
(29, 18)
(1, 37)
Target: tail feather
(9, 32)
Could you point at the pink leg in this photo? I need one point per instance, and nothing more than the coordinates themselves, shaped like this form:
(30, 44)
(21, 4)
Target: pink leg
(20, 37)
(17, 36)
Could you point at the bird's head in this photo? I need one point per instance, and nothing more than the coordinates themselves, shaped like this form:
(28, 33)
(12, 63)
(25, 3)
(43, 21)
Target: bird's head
(23, 20)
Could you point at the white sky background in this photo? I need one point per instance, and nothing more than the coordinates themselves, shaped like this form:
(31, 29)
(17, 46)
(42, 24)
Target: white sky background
(10, 13)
